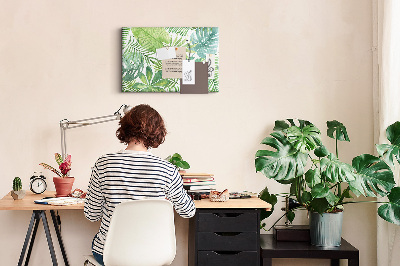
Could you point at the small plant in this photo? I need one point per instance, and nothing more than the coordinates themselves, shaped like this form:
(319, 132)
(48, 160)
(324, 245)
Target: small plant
(17, 193)
(17, 184)
(63, 165)
(176, 159)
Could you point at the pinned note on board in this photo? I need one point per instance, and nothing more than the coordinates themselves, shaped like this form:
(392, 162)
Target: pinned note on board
(188, 72)
(172, 68)
(165, 53)
(201, 78)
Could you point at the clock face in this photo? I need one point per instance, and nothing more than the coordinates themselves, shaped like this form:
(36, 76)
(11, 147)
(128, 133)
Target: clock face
(38, 185)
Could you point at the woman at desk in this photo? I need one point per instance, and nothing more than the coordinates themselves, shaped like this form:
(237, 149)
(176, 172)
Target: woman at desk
(133, 173)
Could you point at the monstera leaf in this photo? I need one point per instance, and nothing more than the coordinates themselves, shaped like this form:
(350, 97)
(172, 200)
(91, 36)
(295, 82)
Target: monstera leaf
(373, 176)
(271, 199)
(304, 139)
(388, 151)
(337, 130)
(285, 163)
(205, 41)
(132, 65)
(336, 171)
(391, 211)
(150, 83)
(281, 125)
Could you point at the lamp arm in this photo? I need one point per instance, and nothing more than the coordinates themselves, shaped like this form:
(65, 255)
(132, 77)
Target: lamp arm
(66, 124)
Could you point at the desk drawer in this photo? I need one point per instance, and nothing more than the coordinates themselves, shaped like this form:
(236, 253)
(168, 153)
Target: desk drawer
(212, 258)
(243, 241)
(228, 222)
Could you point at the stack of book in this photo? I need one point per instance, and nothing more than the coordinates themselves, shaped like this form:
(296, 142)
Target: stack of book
(198, 182)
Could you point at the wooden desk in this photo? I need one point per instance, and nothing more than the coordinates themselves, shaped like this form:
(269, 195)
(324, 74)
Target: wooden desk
(235, 212)
(38, 213)
(226, 233)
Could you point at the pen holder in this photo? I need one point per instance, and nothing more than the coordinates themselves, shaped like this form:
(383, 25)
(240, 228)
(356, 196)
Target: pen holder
(219, 196)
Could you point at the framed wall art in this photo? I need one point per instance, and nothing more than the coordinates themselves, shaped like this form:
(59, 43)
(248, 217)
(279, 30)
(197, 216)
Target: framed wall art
(170, 59)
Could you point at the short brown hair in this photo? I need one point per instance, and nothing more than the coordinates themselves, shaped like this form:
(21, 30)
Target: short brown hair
(143, 124)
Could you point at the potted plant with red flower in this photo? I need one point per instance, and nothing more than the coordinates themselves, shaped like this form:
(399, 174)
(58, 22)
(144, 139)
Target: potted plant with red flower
(62, 181)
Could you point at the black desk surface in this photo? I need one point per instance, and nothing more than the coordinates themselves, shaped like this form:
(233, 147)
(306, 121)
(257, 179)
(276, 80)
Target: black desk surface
(283, 249)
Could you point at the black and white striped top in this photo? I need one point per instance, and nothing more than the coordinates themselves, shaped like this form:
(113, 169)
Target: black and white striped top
(131, 175)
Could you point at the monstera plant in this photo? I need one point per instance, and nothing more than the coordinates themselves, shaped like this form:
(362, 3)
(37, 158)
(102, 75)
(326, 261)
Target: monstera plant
(319, 181)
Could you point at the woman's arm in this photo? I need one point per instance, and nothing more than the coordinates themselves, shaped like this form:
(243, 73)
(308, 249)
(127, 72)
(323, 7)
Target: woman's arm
(94, 200)
(183, 204)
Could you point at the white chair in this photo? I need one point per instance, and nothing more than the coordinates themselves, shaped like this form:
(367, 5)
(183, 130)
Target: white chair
(141, 232)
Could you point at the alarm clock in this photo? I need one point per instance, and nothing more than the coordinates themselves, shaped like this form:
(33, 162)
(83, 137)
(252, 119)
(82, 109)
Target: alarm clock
(38, 183)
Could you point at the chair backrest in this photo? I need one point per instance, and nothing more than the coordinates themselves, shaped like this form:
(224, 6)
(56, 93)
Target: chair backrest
(141, 232)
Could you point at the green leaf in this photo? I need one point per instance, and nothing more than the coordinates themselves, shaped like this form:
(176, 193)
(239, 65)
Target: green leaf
(58, 158)
(306, 197)
(336, 171)
(285, 163)
(388, 151)
(319, 205)
(321, 151)
(304, 139)
(337, 130)
(373, 176)
(271, 199)
(320, 191)
(290, 215)
(185, 165)
(161, 83)
(142, 77)
(391, 211)
(280, 125)
(312, 177)
(205, 41)
(149, 74)
(151, 38)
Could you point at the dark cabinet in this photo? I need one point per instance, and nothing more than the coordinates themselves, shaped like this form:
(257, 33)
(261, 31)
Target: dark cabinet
(224, 237)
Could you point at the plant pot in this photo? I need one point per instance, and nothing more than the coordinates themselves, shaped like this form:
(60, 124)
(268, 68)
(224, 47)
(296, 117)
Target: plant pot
(17, 195)
(326, 229)
(63, 185)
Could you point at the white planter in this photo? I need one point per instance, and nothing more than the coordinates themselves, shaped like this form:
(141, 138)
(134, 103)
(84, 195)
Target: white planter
(17, 195)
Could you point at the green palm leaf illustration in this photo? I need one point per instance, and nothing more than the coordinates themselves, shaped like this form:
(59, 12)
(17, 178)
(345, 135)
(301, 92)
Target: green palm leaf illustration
(205, 41)
(151, 38)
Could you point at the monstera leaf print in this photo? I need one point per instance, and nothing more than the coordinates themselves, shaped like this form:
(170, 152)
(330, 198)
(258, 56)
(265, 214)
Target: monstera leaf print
(205, 41)
(151, 83)
(132, 65)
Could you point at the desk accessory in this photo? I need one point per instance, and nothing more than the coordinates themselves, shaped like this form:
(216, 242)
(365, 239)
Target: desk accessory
(219, 196)
(17, 193)
(38, 183)
(66, 124)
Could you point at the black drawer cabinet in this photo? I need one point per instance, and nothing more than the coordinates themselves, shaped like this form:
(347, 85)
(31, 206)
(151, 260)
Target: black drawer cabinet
(224, 237)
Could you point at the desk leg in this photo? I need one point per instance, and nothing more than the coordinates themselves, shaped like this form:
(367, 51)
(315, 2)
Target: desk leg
(60, 242)
(267, 262)
(353, 262)
(335, 262)
(28, 256)
(28, 236)
(48, 236)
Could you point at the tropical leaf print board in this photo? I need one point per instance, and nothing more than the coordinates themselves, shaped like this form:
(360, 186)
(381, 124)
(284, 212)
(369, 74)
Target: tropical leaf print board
(152, 57)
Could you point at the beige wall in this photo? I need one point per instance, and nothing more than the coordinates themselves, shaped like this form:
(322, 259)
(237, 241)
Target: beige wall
(278, 59)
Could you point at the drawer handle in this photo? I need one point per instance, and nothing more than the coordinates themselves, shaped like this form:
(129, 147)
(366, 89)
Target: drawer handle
(227, 252)
(227, 233)
(227, 214)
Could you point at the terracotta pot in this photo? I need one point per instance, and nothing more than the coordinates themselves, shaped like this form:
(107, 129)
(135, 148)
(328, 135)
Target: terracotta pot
(63, 185)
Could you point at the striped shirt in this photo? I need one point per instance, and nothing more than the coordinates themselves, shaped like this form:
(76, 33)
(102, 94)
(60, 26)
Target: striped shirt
(131, 175)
